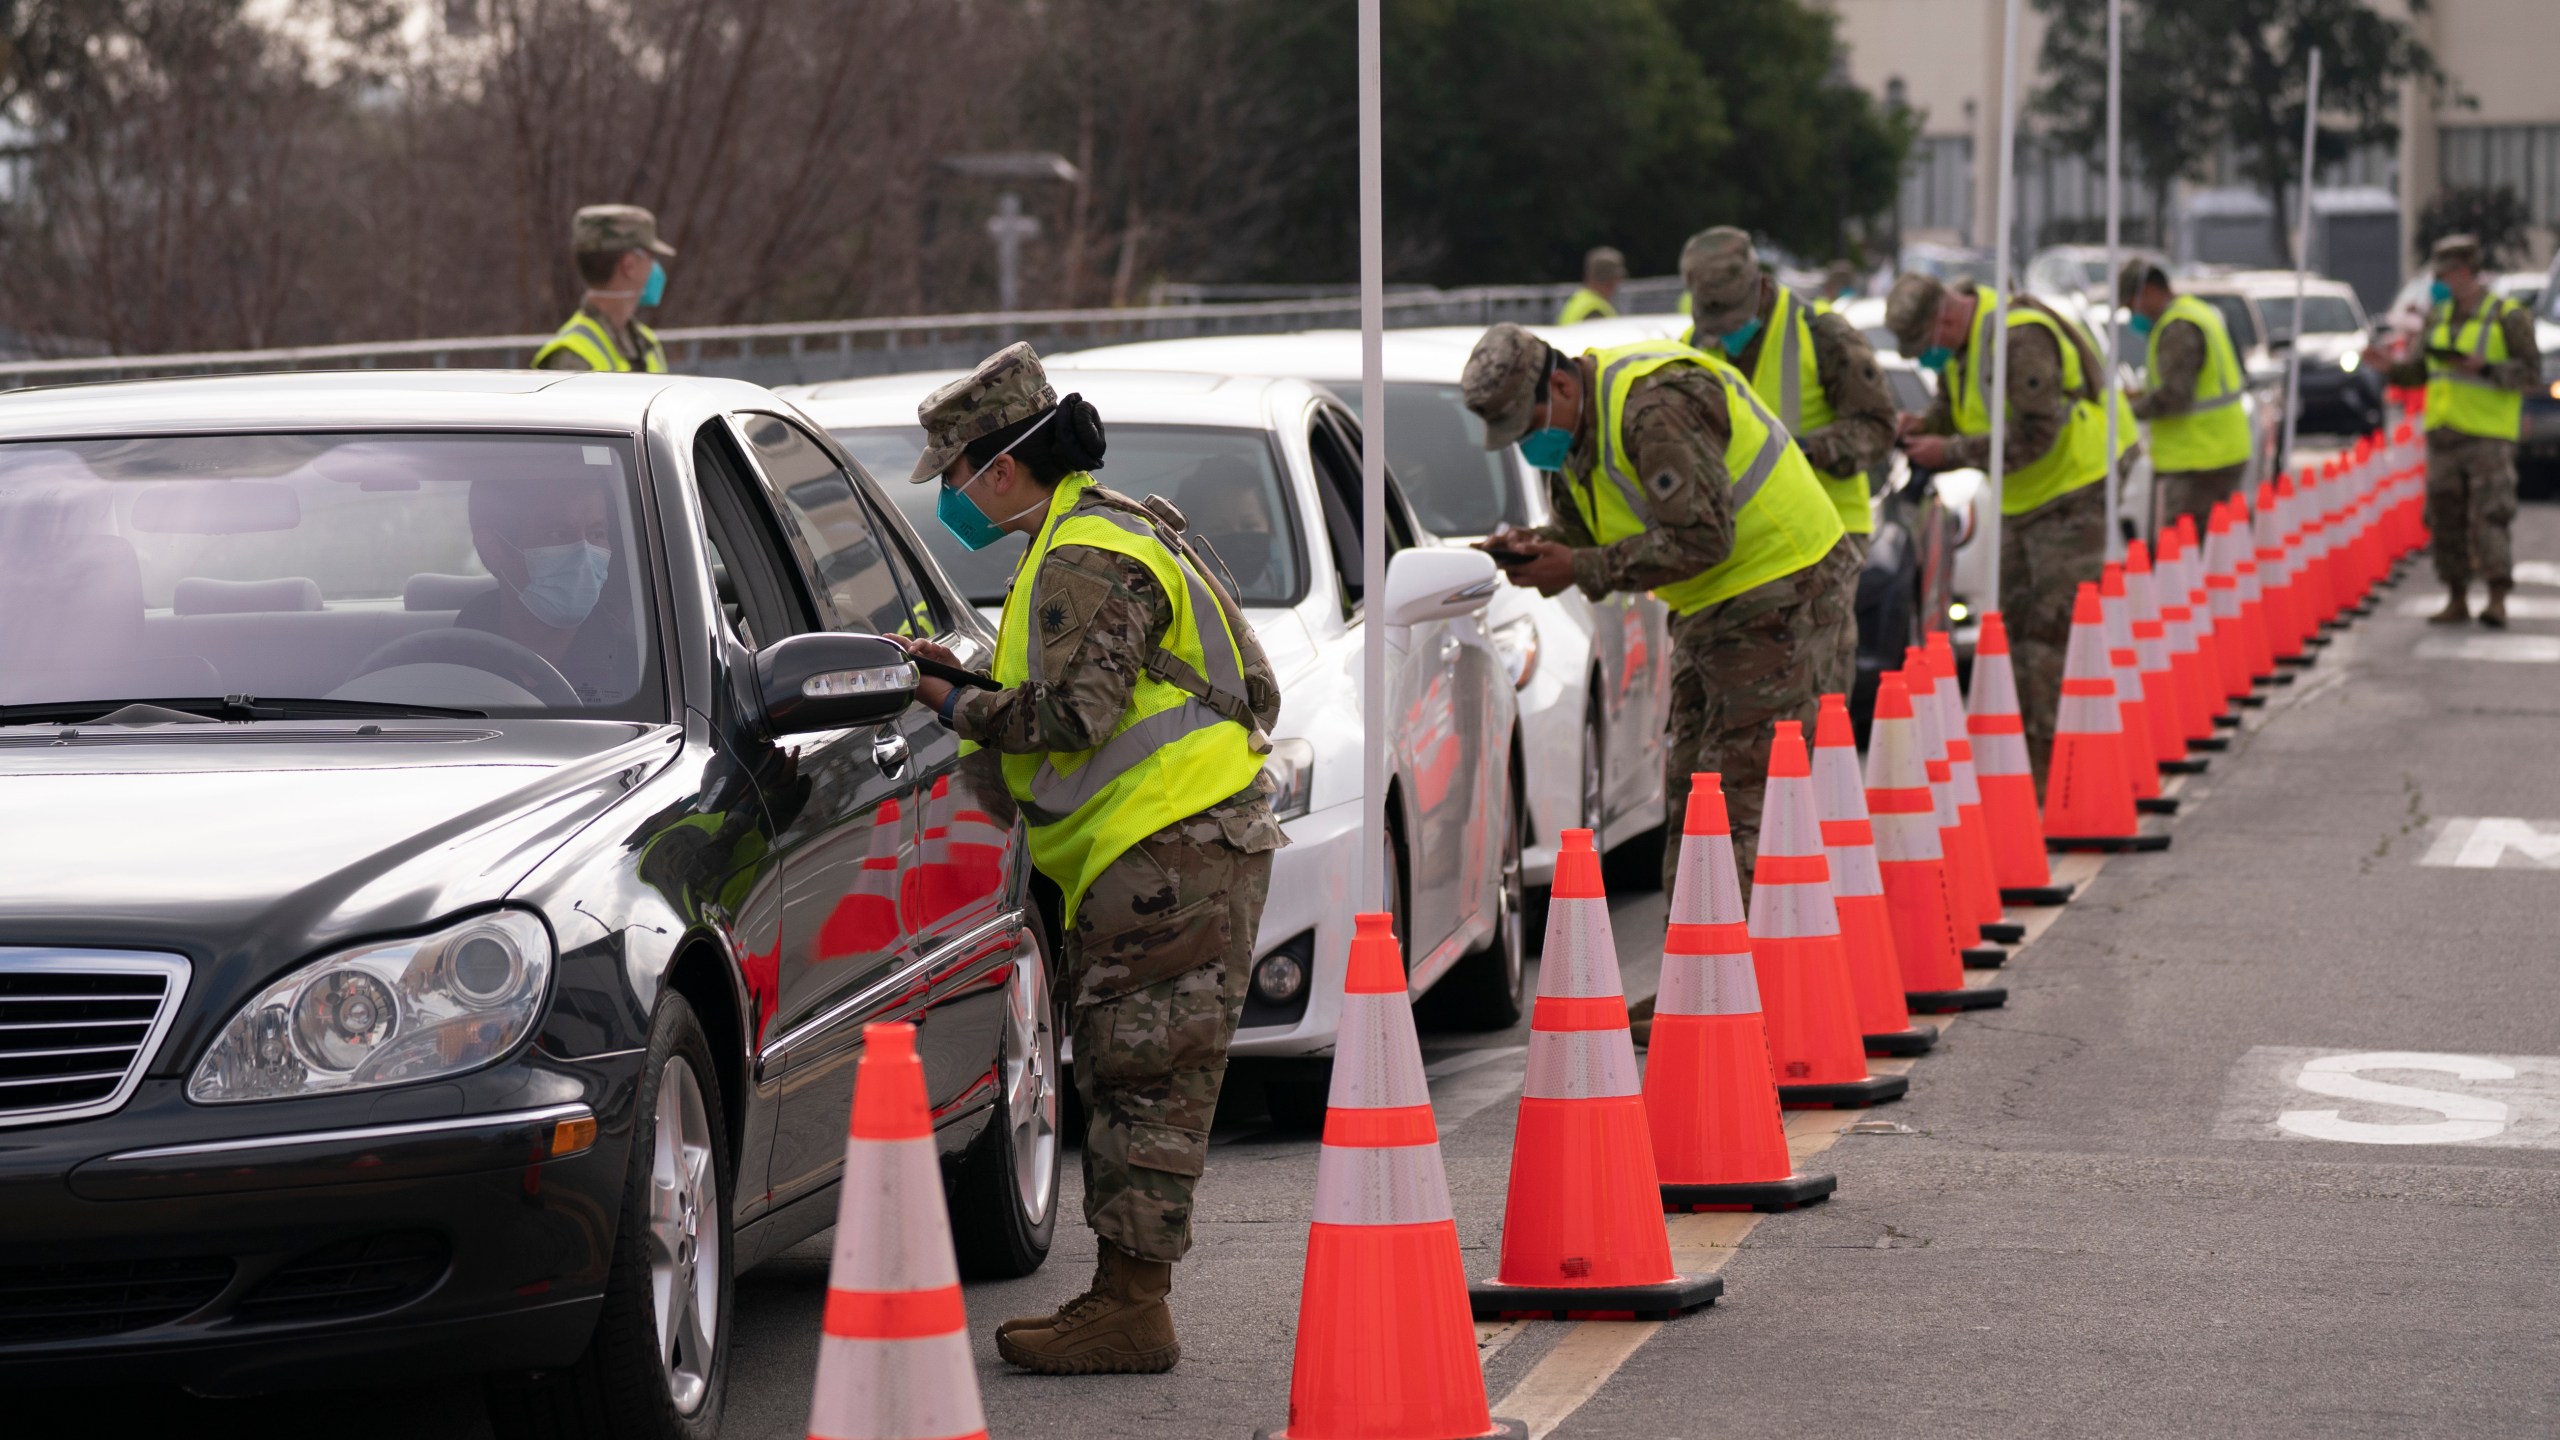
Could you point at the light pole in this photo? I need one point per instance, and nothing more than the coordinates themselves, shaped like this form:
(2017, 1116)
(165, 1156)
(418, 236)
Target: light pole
(1009, 228)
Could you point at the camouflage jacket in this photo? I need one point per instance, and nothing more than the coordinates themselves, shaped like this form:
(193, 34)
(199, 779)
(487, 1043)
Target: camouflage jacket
(2520, 371)
(2038, 405)
(1861, 430)
(2170, 388)
(1675, 430)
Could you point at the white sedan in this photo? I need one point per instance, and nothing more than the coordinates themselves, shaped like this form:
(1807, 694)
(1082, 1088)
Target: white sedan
(1593, 678)
(1268, 471)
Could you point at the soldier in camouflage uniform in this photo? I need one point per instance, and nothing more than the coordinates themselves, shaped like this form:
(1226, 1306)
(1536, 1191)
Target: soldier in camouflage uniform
(1160, 946)
(2169, 391)
(1735, 300)
(1739, 665)
(2471, 447)
(619, 258)
(2045, 552)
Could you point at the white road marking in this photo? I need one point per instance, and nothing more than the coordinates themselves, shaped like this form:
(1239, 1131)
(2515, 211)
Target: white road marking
(2492, 842)
(2506, 649)
(2500, 1101)
(2537, 572)
(2519, 607)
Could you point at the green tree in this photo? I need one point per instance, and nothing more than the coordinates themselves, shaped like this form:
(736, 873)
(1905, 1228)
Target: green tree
(2164, 140)
(2492, 214)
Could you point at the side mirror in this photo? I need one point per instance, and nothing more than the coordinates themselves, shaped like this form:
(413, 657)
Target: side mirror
(1436, 584)
(833, 681)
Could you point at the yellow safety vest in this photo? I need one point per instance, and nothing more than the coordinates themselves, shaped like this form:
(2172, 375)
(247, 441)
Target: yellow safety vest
(1782, 520)
(1178, 749)
(2079, 454)
(2214, 432)
(1788, 380)
(2469, 404)
(1585, 304)
(585, 337)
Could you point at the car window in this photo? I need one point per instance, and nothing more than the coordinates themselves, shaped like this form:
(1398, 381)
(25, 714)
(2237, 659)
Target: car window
(760, 589)
(1338, 485)
(1436, 446)
(2326, 314)
(2236, 318)
(844, 554)
(495, 572)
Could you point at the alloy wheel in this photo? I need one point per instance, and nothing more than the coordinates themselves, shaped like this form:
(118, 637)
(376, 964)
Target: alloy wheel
(685, 1263)
(1031, 1086)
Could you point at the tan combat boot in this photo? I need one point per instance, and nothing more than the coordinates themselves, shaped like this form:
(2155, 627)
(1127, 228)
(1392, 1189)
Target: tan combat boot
(2457, 608)
(1119, 1327)
(2494, 614)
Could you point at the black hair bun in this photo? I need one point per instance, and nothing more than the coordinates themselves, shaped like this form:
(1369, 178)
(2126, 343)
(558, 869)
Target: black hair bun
(1080, 441)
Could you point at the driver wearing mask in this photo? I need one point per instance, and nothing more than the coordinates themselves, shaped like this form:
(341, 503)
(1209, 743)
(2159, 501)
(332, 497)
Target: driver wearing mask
(1223, 501)
(550, 544)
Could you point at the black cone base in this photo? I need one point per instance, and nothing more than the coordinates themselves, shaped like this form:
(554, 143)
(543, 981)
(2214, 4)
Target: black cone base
(2296, 661)
(2110, 844)
(2316, 641)
(1493, 1300)
(2156, 804)
(2035, 894)
(2228, 720)
(2280, 677)
(1767, 1196)
(1918, 1040)
(1983, 957)
(1948, 1002)
(1502, 1430)
(2188, 766)
(2210, 743)
(1846, 1095)
(2004, 932)
(2253, 701)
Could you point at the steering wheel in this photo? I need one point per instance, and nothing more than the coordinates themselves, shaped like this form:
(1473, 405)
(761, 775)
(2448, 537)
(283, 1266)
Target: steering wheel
(477, 650)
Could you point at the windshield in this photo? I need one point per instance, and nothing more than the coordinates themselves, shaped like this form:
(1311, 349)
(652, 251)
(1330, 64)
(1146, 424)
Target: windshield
(1435, 444)
(2235, 318)
(1225, 481)
(2328, 314)
(491, 573)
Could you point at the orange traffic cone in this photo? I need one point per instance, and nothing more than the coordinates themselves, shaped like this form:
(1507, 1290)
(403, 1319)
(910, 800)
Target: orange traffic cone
(2161, 705)
(1796, 951)
(1904, 812)
(1857, 889)
(1582, 1231)
(2222, 583)
(2088, 802)
(2183, 627)
(1999, 737)
(1964, 888)
(1976, 830)
(1709, 1094)
(1386, 1346)
(893, 1357)
(2275, 590)
(2115, 620)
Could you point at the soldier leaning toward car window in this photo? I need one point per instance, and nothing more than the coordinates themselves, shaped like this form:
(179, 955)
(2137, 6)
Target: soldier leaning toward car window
(2053, 513)
(1666, 473)
(2478, 361)
(1135, 713)
(1814, 370)
(620, 258)
(1602, 269)
(2193, 386)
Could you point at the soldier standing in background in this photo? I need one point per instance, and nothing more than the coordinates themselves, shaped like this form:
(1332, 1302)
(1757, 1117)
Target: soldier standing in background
(2053, 513)
(619, 255)
(1602, 269)
(2478, 362)
(1136, 710)
(1819, 375)
(2192, 389)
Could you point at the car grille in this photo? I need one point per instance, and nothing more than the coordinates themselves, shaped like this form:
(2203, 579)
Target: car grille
(352, 1277)
(40, 1303)
(77, 1028)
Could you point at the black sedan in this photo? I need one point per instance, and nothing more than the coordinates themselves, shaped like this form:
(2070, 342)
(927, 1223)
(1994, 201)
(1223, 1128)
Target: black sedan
(453, 829)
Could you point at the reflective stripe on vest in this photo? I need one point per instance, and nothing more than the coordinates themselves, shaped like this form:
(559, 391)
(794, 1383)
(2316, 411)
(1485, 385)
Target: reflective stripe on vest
(1782, 520)
(1787, 378)
(2213, 432)
(1171, 755)
(585, 337)
(2470, 404)
(2079, 454)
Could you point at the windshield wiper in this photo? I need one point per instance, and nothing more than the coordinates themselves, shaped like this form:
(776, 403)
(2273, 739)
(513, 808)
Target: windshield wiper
(225, 707)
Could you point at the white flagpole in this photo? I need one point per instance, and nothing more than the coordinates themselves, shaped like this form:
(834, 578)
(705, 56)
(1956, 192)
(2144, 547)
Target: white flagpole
(1373, 481)
(1997, 400)
(2301, 254)
(2115, 196)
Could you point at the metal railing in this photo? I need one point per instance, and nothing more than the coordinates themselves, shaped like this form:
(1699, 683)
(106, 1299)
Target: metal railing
(804, 352)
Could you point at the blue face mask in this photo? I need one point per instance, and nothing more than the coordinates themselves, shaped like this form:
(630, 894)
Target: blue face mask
(1736, 341)
(2439, 292)
(566, 581)
(2140, 324)
(1936, 357)
(1547, 449)
(961, 516)
(656, 289)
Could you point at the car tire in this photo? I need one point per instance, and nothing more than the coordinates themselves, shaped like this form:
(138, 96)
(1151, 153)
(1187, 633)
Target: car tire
(1488, 988)
(628, 1385)
(1004, 1200)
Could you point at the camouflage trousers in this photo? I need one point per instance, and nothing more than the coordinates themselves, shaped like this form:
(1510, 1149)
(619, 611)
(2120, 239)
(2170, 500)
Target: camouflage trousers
(2471, 505)
(2195, 492)
(1738, 668)
(2044, 555)
(1838, 675)
(1157, 963)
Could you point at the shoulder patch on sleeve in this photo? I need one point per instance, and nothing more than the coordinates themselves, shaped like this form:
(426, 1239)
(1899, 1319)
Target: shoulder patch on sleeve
(1662, 484)
(1067, 597)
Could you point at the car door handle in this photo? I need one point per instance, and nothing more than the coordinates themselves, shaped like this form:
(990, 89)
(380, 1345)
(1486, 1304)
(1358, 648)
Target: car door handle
(889, 752)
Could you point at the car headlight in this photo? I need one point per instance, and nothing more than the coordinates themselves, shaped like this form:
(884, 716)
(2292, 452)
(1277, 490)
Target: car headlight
(1292, 768)
(385, 1014)
(2348, 360)
(1516, 641)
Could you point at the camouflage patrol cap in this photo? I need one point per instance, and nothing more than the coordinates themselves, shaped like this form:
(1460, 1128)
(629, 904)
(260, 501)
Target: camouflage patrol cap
(611, 229)
(1500, 383)
(2455, 252)
(1840, 278)
(2139, 271)
(1723, 276)
(1603, 262)
(1007, 388)
(1911, 311)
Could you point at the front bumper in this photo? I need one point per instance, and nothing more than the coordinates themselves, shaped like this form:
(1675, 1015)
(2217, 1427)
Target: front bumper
(1314, 886)
(244, 1248)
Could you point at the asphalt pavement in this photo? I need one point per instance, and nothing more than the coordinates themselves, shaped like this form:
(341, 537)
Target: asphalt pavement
(2266, 1143)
